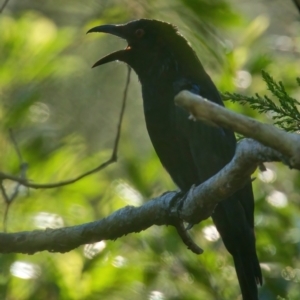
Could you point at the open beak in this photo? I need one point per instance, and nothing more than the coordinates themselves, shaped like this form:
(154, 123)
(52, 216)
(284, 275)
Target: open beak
(117, 30)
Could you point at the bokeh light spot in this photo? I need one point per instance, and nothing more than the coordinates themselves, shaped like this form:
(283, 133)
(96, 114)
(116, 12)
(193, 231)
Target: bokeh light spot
(156, 295)
(91, 250)
(119, 261)
(128, 193)
(284, 43)
(47, 220)
(243, 79)
(25, 270)
(288, 273)
(39, 112)
(266, 267)
(210, 233)
(277, 199)
(267, 176)
(271, 249)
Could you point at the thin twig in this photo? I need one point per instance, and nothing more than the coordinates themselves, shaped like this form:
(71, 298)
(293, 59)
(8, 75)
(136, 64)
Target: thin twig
(3, 5)
(23, 168)
(7, 205)
(12, 137)
(111, 160)
(178, 223)
(115, 150)
(5, 216)
(186, 238)
(297, 3)
(4, 194)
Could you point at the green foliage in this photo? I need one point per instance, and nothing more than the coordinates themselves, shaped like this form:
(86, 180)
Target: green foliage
(64, 118)
(220, 12)
(285, 113)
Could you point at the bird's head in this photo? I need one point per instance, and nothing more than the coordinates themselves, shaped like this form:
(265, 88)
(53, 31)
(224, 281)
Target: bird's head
(153, 45)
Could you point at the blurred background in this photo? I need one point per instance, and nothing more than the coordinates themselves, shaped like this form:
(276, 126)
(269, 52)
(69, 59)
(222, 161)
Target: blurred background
(64, 116)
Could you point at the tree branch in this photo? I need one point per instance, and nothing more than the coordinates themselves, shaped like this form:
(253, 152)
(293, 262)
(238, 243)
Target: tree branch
(3, 6)
(123, 221)
(201, 200)
(200, 108)
(297, 3)
(197, 205)
(173, 208)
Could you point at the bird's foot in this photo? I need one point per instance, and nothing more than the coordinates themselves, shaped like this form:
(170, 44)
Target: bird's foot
(175, 220)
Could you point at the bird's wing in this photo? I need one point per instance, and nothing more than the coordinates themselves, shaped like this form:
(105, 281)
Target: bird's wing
(212, 147)
(204, 140)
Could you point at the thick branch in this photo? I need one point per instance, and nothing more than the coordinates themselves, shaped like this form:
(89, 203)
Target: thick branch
(197, 206)
(124, 221)
(201, 200)
(172, 208)
(286, 143)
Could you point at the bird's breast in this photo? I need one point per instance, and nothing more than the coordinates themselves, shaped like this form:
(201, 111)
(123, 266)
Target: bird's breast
(157, 96)
(169, 143)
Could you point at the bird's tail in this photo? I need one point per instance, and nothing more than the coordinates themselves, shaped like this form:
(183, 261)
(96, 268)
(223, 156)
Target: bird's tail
(249, 274)
(234, 220)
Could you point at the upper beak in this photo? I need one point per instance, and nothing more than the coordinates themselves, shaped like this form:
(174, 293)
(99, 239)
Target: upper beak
(117, 30)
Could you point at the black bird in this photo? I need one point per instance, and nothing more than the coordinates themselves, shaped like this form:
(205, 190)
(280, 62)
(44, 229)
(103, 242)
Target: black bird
(190, 151)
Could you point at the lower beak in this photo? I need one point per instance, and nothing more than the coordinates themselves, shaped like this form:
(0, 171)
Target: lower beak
(120, 55)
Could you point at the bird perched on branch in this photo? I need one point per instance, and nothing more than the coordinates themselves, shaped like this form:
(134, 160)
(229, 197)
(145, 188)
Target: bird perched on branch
(190, 151)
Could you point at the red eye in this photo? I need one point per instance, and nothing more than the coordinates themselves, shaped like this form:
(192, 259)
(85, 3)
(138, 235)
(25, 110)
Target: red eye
(139, 33)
